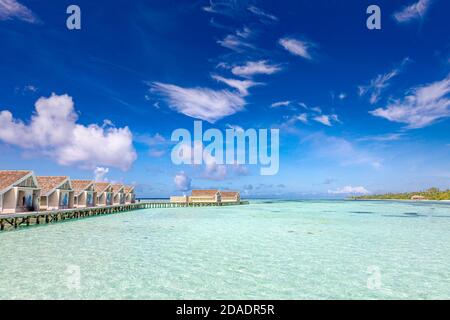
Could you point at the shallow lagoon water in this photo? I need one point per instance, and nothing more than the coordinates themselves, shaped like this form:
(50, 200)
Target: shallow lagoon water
(265, 250)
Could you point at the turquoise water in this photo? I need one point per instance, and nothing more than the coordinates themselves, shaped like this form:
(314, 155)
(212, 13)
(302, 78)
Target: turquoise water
(266, 250)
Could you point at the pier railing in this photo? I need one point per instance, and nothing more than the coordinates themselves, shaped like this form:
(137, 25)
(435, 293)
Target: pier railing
(16, 220)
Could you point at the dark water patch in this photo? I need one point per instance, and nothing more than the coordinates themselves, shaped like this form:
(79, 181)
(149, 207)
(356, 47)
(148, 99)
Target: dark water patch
(399, 216)
(440, 216)
(412, 214)
(362, 212)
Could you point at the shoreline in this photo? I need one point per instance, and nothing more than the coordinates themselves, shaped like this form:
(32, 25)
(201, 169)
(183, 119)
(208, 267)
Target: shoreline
(404, 200)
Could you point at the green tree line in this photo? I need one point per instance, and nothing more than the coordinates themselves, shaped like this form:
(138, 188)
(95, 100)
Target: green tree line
(430, 194)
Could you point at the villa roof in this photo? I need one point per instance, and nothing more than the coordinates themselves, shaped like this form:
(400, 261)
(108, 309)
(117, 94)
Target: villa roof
(49, 184)
(9, 177)
(204, 193)
(229, 193)
(128, 189)
(117, 187)
(101, 187)
(81, 185)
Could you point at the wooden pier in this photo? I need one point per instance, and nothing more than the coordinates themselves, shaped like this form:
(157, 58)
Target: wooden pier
(16, 220)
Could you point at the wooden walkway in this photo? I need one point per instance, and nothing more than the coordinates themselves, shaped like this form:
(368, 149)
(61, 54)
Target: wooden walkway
(16, 220)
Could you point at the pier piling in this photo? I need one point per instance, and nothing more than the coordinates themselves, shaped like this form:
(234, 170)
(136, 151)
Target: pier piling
(14, 221)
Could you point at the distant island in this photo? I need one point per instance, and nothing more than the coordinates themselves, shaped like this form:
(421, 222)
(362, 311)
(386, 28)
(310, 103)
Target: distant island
(430, 194)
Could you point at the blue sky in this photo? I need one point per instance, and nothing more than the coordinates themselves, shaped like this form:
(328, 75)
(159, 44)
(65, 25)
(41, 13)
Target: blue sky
(358, 110)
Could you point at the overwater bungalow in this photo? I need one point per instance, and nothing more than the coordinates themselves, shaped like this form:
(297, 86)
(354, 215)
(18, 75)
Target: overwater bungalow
(208, 196)
(205, 196)
(84, 193)
(230, 196)
(179, 199)
(118, 193)
(130, 196)
(19, 191)
(56, 193)
(104, 194)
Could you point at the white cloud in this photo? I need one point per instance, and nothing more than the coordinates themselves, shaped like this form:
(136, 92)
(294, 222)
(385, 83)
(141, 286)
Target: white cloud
(255, 67)
(182, 181)
(350, 190)
(414, 11)
(327, 119)
(342, 96)
(302, 118)
(280, 104)
(12, 9)
(235, 43)
(241, 85)
(259, 12)
(297, 47)
(245, 32)
(201, 103)
(291, 121)
(421, 106)
(380, 82)
(303, 105)
(316, 109)
(26, 89)
(53, 130)
(100, 174)
(223, 7)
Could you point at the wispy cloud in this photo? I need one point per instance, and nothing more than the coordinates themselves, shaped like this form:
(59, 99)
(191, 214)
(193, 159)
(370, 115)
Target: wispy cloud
(12, 9)
(421, 106)
(383, 137)
(327, 120)
(280, 104)
(297, 47)
(350, 190)
(241, 85)
(342, 96)
(261, 13)
(414, 11)
(26, 89)
(244, 32)
(381, 82)
(316, 109)
(223, 7)
(255, 67)
(235, 43)
(201, 103)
